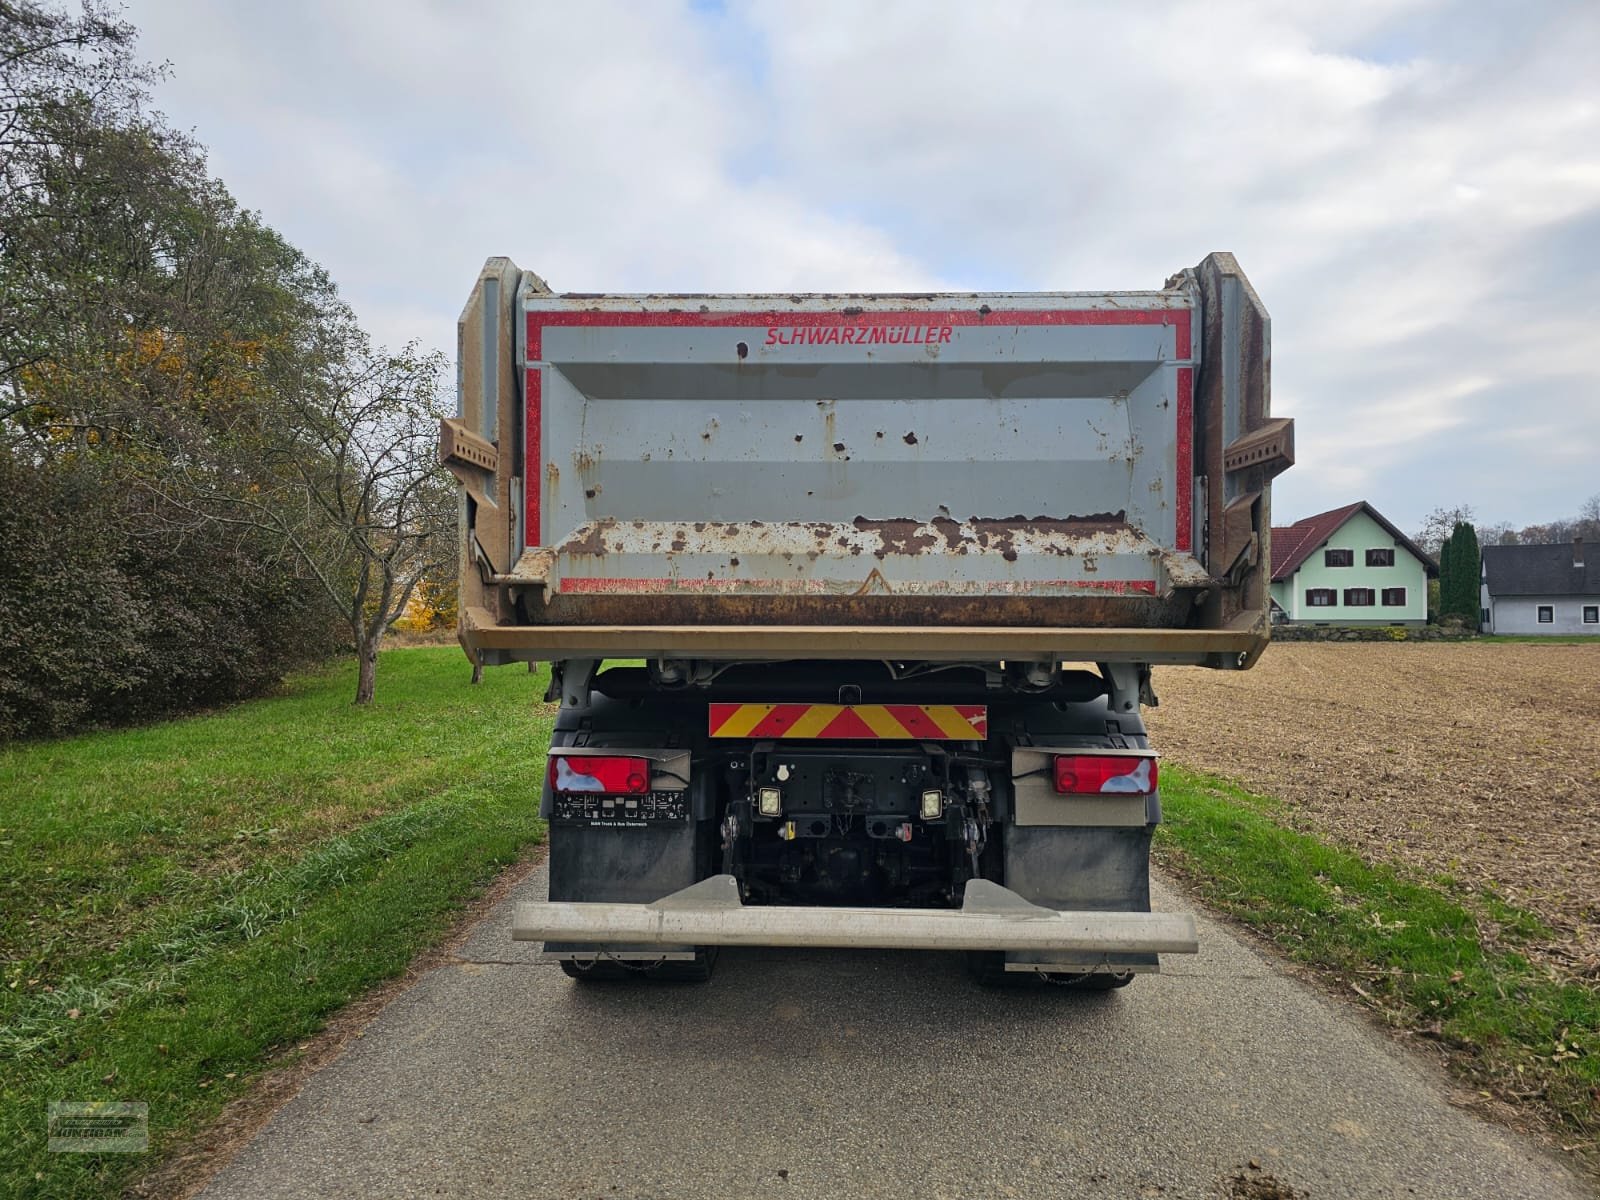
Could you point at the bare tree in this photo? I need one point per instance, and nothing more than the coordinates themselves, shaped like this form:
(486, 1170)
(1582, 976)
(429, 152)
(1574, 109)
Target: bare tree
(356, 494)
(1589, 519)
(1439, 525)
(1501, 534)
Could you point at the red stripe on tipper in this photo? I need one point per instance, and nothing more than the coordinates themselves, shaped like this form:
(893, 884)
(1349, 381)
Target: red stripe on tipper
(609, 584)
(533, 458)
(1185, 480)
(1179, 320)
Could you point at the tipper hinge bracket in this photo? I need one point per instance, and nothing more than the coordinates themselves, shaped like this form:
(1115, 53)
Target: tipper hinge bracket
(468, 456)
(1241, 539)
(1270, 448)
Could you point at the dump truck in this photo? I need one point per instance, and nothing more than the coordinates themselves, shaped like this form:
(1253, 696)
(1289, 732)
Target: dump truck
(851, 604)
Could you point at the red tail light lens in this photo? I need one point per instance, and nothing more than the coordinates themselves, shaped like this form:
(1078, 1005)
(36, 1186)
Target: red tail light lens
(616, 776)
(1105, 774)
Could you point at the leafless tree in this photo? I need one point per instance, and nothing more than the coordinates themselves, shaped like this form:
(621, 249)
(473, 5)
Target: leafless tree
(1589, 519)
(356, 494)
(1439, 525)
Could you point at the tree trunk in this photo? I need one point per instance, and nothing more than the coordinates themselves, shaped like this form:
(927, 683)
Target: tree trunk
(367, 679)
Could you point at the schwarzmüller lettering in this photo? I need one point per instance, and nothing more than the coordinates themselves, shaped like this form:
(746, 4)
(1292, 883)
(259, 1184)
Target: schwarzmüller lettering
(858, 335)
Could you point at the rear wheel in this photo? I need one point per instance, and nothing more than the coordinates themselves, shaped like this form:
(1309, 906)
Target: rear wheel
(988, 969)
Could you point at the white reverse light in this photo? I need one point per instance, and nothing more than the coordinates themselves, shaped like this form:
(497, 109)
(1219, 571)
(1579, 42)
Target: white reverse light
(932, 805)
(770, 801)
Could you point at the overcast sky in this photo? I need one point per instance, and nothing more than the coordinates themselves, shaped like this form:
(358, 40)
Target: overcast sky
(1413, 186)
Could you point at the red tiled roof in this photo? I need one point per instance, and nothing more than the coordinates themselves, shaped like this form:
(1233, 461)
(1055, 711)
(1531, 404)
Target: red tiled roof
(1293, 544)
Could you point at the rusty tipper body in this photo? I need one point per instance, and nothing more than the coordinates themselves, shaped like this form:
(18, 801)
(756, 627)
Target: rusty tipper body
(859, 542)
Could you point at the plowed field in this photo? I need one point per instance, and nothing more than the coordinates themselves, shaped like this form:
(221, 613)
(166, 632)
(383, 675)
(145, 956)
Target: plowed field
(1480, 761)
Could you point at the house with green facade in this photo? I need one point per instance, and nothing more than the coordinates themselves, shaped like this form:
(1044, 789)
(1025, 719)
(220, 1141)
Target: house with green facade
(1349, 566)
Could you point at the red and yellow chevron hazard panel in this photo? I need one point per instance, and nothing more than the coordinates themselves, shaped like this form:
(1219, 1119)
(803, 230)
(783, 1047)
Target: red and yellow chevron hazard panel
(907, 722)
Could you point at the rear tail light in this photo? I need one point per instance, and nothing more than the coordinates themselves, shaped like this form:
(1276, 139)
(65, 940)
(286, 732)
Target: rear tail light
(612, 775)
(1101, 774)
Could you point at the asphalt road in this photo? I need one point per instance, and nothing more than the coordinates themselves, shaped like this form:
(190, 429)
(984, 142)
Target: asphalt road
(841, 1074)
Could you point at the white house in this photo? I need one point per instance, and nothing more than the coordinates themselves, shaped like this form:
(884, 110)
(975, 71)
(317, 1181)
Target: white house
(1541, 589)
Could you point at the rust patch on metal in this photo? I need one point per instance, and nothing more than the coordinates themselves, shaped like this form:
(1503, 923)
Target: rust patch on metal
(950, 530)
(872, 608)
(899, 535)
(910, 439)
(590, 540)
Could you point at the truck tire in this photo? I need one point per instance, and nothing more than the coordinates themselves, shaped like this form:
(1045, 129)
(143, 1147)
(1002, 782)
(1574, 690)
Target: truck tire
(988, 969)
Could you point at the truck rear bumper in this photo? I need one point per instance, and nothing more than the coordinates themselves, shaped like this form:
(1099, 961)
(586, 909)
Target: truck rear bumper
(1234, 646)
(710, 913)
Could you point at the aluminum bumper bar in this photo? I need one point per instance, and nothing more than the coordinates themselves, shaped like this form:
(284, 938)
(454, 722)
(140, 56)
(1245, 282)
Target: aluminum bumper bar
(991, 918)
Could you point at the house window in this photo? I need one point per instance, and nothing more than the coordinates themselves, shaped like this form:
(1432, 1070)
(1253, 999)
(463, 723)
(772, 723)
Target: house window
(1484, 619)
(1547, 614)
(1591, 614)
(1359, 597)
(1394, 597)
(1338, 558)
(1321, 597)
(1380, 558)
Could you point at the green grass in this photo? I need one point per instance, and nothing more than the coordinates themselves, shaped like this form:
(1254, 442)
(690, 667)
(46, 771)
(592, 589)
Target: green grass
(178, 902)
(1417, 953)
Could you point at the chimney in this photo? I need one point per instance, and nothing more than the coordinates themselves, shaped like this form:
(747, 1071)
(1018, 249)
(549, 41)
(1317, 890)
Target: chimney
(1577, 550)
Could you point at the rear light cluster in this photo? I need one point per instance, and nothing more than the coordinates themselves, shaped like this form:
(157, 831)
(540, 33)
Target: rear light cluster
(610, 775)
(1103, 774)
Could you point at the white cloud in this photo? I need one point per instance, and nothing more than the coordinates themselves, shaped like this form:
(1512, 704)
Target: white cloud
(1413, 186)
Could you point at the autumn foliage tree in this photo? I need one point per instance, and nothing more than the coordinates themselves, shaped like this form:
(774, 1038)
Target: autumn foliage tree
(167, 361)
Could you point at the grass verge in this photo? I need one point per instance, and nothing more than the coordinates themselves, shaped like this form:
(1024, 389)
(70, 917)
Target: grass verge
(1407, 948)
(177, 902)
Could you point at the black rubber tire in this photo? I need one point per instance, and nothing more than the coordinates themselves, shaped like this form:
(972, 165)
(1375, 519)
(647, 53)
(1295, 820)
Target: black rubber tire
(988, 969)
